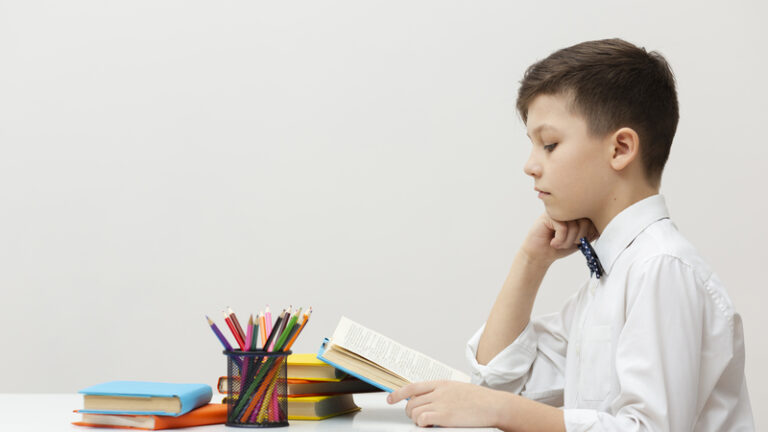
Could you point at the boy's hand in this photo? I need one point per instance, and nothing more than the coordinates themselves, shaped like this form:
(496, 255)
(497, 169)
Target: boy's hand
(449, 403)
(549, 239)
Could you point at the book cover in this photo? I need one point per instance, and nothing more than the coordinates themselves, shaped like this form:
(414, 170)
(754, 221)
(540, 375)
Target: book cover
(379, 360)
(320, 407)
(348, 385)
(142, 397)
(306, 366)
(205, 415)
(366, 378)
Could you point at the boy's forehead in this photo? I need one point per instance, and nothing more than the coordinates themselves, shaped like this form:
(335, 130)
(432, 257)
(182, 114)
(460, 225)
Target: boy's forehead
(550, 113)
(541, 128)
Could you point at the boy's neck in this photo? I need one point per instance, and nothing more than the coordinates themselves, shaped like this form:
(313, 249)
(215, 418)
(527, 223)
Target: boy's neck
(619, 200)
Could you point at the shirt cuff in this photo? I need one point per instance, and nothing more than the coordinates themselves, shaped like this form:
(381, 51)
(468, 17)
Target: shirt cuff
(509, 365)
(579, 420)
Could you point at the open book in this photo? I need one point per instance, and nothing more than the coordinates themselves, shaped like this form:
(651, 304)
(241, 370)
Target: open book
(379, 360)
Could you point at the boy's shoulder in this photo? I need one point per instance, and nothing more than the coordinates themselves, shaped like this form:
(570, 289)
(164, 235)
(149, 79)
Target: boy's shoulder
(662, 249)
(663, 240)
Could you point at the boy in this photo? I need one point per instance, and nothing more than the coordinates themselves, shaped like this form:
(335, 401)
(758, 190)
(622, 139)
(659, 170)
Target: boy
(651, 340)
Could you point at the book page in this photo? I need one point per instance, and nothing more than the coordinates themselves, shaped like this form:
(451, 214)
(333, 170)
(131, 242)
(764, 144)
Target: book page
(408, 363)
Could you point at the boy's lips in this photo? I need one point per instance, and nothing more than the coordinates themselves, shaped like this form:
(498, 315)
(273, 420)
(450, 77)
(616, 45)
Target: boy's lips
(541, 192)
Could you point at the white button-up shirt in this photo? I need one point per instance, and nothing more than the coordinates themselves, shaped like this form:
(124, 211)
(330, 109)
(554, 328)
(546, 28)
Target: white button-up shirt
(654, 344)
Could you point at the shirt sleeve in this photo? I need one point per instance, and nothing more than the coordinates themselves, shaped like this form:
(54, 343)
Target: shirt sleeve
(533, 365)
(657, 356)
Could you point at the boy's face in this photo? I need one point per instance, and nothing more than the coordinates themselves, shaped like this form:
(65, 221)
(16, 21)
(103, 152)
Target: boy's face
(569, 166)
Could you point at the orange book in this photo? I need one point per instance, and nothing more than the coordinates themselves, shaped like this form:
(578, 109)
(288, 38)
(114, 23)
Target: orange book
(205, 415)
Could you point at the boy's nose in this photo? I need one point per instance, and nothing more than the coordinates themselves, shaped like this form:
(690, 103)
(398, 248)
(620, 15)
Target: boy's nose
(531, 167)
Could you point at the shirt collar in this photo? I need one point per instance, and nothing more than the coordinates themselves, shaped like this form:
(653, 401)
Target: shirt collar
(622, 230)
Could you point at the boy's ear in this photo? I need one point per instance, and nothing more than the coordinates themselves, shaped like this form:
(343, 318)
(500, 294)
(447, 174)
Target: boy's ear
(625, 147)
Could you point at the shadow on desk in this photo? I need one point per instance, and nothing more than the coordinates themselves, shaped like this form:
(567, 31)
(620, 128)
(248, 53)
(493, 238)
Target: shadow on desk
(377, 415)
(383, 419)
(373, 416)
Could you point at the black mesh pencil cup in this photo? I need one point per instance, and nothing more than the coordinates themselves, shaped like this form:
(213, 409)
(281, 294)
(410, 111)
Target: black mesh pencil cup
(257, 388)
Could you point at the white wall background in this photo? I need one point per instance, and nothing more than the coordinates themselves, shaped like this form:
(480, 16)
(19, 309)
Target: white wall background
(160, 160)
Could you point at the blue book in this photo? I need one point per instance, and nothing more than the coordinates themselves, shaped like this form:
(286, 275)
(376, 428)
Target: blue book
(141, 397)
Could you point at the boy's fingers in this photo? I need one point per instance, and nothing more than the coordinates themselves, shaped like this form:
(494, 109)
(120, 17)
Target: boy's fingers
(560, 232)
(547, 221)
(426, 418)
(573, 233)
(413, 389)
(417, 402)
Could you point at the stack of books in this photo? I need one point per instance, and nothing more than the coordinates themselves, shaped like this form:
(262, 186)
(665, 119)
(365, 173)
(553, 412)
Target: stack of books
(317, 390)
(149, 405)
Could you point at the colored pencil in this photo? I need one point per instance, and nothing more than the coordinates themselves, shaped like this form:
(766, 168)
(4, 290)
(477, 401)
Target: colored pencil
(259, 411)
(286, 331)
(268, 319)
(249, 333)
(292, 336)
(260, 392)
(218, 334)
(263, 326)
(285, 319)
(271, 336)
(261, 367)
(248, 397)
(235, 321)
(232, 328)
(271, 406)
(255, 330)
(286, 316)
(295, 335)
(246, 360)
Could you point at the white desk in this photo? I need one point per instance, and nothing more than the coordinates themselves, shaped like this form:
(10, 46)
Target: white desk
(30, 412)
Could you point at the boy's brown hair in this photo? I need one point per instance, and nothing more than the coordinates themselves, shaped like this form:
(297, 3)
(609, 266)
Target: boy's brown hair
(612, 84)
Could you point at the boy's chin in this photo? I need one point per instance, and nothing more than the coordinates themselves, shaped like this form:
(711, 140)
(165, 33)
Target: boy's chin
(559, 214)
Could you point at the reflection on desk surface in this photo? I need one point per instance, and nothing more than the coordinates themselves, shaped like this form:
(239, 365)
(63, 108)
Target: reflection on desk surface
(35, 412)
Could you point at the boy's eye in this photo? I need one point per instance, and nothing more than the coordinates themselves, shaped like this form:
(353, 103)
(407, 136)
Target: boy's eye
(550, 147)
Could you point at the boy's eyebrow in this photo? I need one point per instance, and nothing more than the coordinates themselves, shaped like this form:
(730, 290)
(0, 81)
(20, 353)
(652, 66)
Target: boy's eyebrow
(540, 127)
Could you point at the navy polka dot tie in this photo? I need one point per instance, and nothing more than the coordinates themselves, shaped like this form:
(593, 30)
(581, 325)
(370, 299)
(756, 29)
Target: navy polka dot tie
(595, 268)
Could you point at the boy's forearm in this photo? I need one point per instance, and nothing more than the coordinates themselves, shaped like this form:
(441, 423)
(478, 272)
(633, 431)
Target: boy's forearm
(512, 309)
(518, 414)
